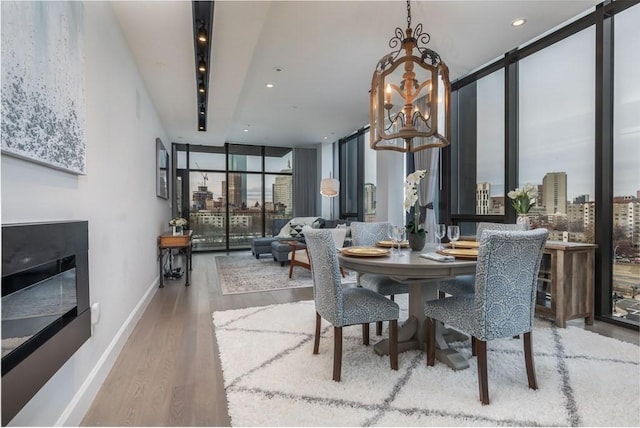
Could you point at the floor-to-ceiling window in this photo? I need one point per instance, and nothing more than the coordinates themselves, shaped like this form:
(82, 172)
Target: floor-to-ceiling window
(557, 135)
(479, 151)
(626, 166)
(231, 194)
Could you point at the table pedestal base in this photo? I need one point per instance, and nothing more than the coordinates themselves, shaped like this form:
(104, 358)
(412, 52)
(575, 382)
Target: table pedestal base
(408, 339)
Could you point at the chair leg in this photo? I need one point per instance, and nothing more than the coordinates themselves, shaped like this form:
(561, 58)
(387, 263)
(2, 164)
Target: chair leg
(431, 341)
(481, 347)
(528, 360)
(379, 328)
(474, 343)
(291, 269)
(365, 334)
(393, 344)
(316, 343)
(342, 273)
(337, 353)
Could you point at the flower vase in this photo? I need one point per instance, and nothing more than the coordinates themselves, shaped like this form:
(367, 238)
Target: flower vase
(416, 242)
(524, 220)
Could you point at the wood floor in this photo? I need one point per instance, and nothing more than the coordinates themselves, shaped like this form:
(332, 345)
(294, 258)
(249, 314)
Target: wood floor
(169, 374)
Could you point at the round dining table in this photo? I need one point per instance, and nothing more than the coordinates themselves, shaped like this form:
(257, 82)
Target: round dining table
(422, 276)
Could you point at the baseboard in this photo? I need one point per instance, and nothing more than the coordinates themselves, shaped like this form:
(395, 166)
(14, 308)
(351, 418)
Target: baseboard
(79, 405)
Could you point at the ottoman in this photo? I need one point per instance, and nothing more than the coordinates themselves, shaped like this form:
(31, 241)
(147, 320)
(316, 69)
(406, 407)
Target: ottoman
(280, 251)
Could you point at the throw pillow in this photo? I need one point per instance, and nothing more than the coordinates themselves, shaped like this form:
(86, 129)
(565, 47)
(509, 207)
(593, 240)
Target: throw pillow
(344, 226)
(296, 230)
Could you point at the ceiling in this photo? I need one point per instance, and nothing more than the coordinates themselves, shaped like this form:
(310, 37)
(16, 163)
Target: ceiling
(327, 51)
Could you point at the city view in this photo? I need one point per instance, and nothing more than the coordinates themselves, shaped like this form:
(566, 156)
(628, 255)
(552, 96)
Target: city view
(572, 219)
(567, 217)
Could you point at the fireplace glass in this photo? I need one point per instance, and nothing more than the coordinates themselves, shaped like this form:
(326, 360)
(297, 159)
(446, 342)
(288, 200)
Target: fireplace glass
(35, 302)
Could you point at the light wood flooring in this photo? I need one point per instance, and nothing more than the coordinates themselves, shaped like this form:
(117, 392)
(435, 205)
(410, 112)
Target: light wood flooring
(169, 373)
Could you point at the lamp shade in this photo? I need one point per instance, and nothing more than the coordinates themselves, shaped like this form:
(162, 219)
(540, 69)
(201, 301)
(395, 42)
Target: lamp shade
(329, 187)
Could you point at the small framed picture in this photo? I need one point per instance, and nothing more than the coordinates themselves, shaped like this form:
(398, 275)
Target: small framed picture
(162, 170)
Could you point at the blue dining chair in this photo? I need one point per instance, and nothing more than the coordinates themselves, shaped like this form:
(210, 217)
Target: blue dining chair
(503, 303)
(464, 284)
(367, 234)
(345, 306)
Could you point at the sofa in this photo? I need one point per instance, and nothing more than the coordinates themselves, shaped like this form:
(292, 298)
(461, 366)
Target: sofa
(261, 246)
(284, 229)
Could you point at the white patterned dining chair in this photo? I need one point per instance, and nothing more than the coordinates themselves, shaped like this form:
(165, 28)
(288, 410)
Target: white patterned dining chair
(300, 257)
(503, 303)
(368, 234)
(345, 306)
(464, 284)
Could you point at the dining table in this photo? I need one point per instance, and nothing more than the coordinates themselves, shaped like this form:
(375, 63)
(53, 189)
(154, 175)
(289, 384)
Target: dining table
(422, 276)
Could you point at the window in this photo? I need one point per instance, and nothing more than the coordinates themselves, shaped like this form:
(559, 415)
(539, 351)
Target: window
(557, 134)
(228, 207)
(626, 166)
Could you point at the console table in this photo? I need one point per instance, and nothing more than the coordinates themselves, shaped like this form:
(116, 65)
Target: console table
(182, 242)
(566, 282)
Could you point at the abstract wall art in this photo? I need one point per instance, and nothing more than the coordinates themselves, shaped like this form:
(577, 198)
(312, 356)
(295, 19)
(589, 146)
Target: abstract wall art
(43, 83)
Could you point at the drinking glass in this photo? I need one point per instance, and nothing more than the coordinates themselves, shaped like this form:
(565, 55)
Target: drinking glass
(453, 232)
(392, 235)
(441, 230)
(400, 235)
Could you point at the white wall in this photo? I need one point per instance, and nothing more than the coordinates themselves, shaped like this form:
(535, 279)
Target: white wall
(118, 198)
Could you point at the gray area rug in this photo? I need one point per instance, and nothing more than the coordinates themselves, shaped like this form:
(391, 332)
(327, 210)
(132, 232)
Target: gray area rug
(246, 274)
(272, 378)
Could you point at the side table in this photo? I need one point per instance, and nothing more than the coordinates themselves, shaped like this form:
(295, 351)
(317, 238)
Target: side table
(168, 242)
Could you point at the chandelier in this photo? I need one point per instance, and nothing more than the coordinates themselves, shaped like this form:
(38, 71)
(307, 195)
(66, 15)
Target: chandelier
(410, 95)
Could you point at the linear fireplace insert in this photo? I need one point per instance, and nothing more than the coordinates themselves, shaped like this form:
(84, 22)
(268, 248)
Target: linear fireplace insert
(45, 305)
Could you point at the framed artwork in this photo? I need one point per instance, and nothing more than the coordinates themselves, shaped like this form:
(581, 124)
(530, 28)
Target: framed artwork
(43, 83)
(162, 170)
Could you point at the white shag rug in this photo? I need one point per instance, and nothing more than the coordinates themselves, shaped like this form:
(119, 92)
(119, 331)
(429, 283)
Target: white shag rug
(272, 378)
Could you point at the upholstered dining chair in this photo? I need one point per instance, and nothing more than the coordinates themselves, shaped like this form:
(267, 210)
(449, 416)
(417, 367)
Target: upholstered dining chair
(464, 284)
(503, 304)
(367, 234)
(348, 306)
(300, 257)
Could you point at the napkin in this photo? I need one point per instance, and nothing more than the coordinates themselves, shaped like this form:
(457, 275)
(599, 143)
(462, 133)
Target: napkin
(437, 257)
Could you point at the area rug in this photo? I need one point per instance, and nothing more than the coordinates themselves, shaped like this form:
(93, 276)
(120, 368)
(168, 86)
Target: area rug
(243, 273)
(272, 378)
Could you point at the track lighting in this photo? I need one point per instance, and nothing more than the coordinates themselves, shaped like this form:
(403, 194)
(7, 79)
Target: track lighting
(202, 34)
(202, 66)
(201, 88)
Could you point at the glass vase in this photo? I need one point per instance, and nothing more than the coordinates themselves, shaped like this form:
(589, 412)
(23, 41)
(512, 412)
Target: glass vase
(524, 220)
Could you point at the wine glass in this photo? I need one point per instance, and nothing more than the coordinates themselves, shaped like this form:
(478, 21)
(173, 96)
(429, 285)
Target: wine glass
(453, 232)
(392, 235)
(441, 230)
(400, 235)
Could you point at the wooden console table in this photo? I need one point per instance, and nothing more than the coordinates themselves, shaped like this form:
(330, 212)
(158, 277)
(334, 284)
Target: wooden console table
(181, 242)
(566, 282)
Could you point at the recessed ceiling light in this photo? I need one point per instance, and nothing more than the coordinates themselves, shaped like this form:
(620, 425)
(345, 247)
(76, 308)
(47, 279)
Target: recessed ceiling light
(246, 130)
(326, 138)
(518, 22)
(269, 85)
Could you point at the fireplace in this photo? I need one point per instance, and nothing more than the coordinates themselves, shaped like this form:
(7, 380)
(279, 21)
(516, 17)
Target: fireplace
(45, 305)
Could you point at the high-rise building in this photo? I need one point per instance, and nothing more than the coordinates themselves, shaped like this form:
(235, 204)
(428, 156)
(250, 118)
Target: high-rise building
(199, 198)
(283, 189)
(554, 192)
(483, 192)
(369, 198)
(234, 198)
(581, 199)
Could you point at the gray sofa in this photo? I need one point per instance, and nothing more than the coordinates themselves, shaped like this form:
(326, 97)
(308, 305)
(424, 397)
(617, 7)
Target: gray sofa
(261, 246)
(279, 250)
